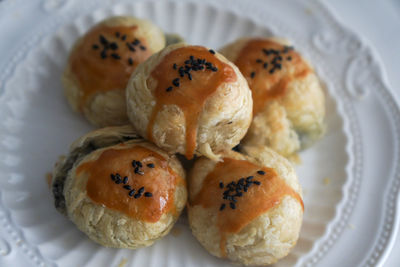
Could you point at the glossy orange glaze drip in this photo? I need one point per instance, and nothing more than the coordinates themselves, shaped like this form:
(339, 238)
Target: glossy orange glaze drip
(161, 181)
(95, 74)
(265, 85)
(256, 201)
(191, 95)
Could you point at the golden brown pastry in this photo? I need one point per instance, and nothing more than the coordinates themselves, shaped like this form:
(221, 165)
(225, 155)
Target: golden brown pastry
(289, 105)
(100, 64)
(118, 189)
(191, 100)
(247, 208)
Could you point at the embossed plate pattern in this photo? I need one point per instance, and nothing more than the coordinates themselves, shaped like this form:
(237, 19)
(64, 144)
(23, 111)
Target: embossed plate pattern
(349, 220)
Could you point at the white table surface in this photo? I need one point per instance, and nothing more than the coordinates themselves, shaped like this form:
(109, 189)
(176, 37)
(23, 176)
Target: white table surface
(378, 22)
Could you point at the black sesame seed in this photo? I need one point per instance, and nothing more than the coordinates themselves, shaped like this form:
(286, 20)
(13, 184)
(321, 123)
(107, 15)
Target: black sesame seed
(112, 177)
(117, 34)
(123, 37)
(148, 194)
(211, 51)
(132, 192)
(276, 52)
(222, 206)
(221, 185)
(261, 172)
(241, 181)
(103, 54)
(118, 181)
(257, 182)
(138, 163)
(133, 163)
(259, 60)
(265, 65)
(232, 205)
(137, 195)
(285, 49)
(169, 89)
(142, 47)
(271, 71)
(114, 46)
(130, 47)
(116, 56)
(267, 52)
(214, 69)
(289, 58)
(150, 165)
(176, 82)
(239, 194)
(175, 66)
(95, 46)
(250, 177)
(141, 190)
(252, 74)
(130, 61)
(136, 42)
(103, 40)
(127, 187)
(278, 66)
(189, 76)
(125, 180)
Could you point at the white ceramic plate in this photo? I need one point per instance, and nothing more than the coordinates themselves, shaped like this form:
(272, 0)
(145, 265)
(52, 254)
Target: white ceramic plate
(350, 178)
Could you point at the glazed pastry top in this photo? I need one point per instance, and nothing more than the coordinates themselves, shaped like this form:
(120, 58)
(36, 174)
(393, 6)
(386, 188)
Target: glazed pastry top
(187, 77)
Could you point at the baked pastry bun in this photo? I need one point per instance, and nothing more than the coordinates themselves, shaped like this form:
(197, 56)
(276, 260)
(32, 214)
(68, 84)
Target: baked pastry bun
(190, 100)
(118, 189)
(173, 38)
(100, 64)
(247, 208)
(288, 101)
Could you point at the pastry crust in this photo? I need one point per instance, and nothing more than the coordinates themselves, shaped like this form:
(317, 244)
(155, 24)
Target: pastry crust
(222, 122)
(266, 238)
(107, 106)
(294, 119)
(106, 226)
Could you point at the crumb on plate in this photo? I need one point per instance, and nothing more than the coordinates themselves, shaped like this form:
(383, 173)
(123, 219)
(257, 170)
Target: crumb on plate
(327, 180)
(123, 262)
